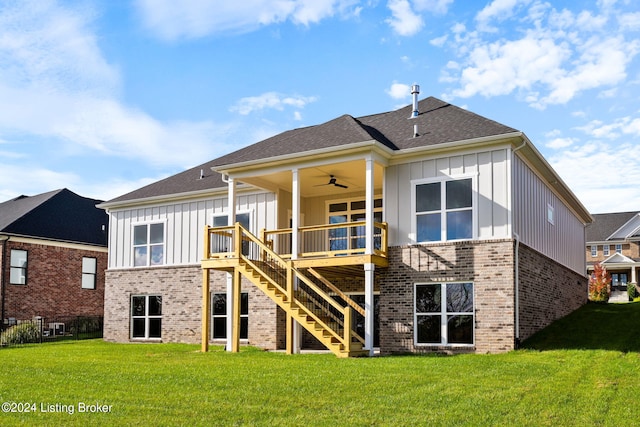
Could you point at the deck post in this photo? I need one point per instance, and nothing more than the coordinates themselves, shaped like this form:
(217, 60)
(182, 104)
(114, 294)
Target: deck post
(369, 272)
(206, 310)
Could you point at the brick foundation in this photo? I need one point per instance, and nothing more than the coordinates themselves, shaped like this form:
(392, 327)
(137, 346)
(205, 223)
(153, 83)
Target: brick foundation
(489, 265)
(548, 291)
(181, 291)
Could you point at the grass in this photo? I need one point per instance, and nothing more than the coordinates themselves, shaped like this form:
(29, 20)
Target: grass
(583, 370)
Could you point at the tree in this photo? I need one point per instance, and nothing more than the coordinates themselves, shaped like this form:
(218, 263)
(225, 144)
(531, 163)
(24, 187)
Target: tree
(599, 284)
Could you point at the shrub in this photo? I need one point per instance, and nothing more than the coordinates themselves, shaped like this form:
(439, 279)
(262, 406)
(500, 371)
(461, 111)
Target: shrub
(21, 334)
(599, 284)
(632, 291)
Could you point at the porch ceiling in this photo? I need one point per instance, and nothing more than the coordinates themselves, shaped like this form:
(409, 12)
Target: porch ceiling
(314, 180)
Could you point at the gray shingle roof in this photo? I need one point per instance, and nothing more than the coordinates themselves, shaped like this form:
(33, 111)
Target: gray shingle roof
(57, 215)
(438, 122)
(604, 225)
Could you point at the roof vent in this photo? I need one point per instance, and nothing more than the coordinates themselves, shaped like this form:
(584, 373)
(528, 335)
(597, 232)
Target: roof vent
(201, 174)
(415, 90)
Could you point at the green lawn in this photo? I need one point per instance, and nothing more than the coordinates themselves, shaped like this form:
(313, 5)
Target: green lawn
(585, 370)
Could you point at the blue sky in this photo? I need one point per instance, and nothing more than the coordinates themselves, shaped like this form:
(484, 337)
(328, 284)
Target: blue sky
(105, 97)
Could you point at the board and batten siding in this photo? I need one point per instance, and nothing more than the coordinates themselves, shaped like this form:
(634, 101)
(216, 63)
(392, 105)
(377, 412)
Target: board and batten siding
(564, 239)
(491, 172)
(184, 225)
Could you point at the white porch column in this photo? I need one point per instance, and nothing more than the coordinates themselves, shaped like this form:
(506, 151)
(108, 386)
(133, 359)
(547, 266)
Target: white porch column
(231, 205)
(369, 207)
(633, 273)
(295, 247)
(369, 268)
(369, 274)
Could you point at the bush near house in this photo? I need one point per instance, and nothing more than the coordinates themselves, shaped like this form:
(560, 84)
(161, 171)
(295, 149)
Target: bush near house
(632, 291)
(23, 333)
(599, 284)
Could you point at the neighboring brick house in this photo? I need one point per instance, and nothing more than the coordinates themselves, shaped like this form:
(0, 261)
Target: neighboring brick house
(613, 240)
(53, 255)
(449, 229)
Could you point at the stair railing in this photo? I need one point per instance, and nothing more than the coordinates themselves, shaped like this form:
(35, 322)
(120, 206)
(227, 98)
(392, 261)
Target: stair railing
(237, 242)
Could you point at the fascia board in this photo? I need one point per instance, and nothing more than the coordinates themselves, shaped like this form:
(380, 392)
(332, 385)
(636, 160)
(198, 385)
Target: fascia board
(303, 158)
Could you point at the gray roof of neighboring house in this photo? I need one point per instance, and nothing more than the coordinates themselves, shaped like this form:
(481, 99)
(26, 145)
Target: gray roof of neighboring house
(57, 215)
(438, 122)
(604, 225)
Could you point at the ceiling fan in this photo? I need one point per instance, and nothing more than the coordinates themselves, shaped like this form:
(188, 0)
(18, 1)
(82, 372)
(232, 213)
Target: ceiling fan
(333, 181)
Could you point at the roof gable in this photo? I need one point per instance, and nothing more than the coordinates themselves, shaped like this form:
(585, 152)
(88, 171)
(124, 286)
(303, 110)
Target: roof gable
(628, 230)
(438, 122)
(57, 215)
(604, 226)
(617, 258)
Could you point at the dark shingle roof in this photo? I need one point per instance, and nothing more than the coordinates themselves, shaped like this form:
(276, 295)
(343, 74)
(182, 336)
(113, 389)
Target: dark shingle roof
(604, 225)
(438, 122)
(57, 215)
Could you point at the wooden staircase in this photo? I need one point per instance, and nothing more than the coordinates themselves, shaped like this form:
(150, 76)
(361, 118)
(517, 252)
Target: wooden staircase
(301, 294)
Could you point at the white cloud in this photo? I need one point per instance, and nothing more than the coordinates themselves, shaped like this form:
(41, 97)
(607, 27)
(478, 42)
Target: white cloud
(171, 20)
(399, 90)
(64, 92)
(270, 100)
(598, 168)
(558, 143)
(404, 21)
(559, 55)
(497, 9)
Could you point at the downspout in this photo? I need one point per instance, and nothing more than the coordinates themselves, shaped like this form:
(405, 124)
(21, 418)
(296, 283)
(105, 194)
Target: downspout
(516, 276)
(4, 239)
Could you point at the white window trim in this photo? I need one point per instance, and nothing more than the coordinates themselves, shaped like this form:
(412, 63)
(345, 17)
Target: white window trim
(443, 223)
(225, 213)
(94, 273)
(618, 248)
(594, 251)
(606, 250)
(224, 316)
(146, 316)
(551, 214)
(443, 313)
(164, 244)
(25, 269)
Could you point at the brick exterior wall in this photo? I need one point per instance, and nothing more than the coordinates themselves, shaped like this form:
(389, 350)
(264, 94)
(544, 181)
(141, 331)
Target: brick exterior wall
(548, 291)
(489, 265)
(181, 291)
(54, 282)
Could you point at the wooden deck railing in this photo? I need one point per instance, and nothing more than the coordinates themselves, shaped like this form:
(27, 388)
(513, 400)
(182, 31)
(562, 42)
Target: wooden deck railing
(328, 240)
(316, 241)
(234, 242)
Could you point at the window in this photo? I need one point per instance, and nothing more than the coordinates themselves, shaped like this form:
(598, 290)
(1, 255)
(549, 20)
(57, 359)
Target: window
(219, 316)
(353, 237)
(594, 251)
(619, 248)
(444, 210)
(444, 314)
(89, 270)
(148, 244)
(146, 317)
(605, 250)
(222, 221)
(551, 215)
(18, 269)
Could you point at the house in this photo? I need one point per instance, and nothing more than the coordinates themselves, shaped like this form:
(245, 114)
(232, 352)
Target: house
(613, 240)
(428, 228)
(53, 254)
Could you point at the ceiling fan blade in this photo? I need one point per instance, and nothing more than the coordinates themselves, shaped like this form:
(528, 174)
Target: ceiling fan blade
(340, 185)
